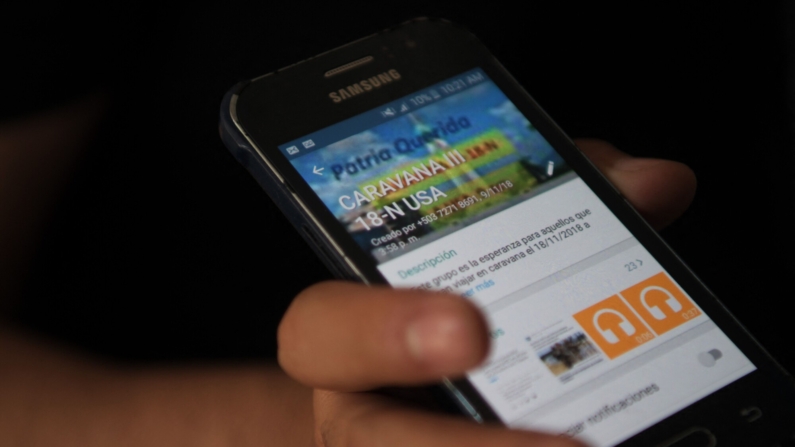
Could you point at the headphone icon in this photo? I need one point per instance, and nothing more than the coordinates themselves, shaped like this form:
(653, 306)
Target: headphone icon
(608, 334)
(655, 311)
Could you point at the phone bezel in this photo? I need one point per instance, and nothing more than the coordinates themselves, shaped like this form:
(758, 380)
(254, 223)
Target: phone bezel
(426, 52)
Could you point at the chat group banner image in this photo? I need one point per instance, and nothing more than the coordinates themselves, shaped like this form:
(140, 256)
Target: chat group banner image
(432, 170)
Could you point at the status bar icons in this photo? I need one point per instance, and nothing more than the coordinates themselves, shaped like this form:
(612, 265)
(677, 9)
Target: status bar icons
(390, 112)
(292, 150)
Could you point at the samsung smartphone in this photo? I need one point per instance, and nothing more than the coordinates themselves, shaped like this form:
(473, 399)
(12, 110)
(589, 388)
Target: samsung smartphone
(412, 158)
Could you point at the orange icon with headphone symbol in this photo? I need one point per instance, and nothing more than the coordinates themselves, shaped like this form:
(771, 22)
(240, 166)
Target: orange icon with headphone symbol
(637, 314)
(661, 303)
(613, 326)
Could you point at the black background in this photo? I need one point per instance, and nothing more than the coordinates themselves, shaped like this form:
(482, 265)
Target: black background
(163, 249)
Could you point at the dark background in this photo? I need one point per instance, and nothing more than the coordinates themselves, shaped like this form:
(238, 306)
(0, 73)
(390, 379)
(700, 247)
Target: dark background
(163, 249)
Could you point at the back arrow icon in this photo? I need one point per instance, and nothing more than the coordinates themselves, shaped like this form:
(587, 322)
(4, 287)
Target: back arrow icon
(317, 171)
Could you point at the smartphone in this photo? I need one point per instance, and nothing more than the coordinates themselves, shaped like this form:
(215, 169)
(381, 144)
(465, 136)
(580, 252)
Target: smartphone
(412, 158)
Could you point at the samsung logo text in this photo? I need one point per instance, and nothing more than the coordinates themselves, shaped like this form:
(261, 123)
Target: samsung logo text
(365, 85)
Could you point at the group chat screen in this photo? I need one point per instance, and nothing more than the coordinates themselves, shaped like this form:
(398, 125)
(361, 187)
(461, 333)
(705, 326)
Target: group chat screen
(453, 189)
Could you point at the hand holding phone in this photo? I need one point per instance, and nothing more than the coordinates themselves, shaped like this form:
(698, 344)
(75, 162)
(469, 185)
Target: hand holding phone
(413, 158)
(343, 338)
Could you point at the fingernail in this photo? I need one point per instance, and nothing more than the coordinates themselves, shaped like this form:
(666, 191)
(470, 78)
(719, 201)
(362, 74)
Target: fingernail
(438, 338)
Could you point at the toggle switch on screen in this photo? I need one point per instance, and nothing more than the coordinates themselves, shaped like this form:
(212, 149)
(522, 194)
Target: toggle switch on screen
(710, 357)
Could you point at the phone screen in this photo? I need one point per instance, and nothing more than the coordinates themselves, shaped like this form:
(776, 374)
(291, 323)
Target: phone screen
(453, 188)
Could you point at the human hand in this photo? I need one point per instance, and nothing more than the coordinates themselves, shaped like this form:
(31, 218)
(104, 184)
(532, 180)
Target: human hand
(342, 338)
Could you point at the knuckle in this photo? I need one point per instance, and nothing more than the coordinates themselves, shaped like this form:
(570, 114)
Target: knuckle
(330, 419)
(322, 435)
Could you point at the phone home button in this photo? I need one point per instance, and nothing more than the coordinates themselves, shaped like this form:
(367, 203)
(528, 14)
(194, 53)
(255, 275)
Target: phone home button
(694, 437)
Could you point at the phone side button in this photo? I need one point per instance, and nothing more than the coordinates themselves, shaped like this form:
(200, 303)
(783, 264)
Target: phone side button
(694, 437)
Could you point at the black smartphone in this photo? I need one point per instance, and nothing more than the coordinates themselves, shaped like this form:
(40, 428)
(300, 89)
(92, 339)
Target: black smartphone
(413, 158)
